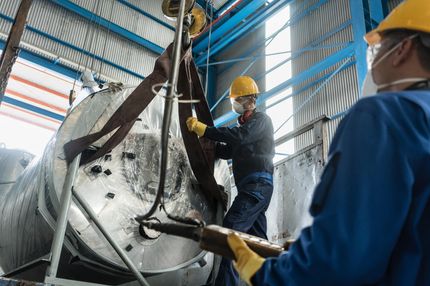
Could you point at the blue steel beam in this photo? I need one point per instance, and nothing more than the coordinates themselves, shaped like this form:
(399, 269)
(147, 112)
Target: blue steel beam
(243, 13)
(312, 71)
(376, 10)
(360, 46)
(39, 60)
(137, 9)
(295, 18)
(262, 55)
(109, 25)
(78, 49)
(254, 23)
(33, 108)
(313, 44)
(315, 92)
(306, 87)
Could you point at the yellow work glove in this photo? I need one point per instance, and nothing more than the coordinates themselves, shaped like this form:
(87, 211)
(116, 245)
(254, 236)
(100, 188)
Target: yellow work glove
(247, 262)
(196, 126)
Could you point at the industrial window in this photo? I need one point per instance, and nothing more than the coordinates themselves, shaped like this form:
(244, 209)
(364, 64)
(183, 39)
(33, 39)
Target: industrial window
(16, 134)
(279, 107)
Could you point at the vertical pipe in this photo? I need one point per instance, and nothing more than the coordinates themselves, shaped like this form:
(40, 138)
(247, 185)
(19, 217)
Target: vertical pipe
(10, 52)
(60, 229)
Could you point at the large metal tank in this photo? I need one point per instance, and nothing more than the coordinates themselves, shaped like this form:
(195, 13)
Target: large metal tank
(12, 164)
(119, 186)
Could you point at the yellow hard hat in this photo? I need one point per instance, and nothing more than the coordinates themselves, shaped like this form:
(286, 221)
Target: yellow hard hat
(410, 15)
(243, 86)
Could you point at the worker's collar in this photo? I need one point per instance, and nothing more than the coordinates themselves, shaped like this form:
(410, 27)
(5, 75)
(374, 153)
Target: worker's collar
(425, 84)
(245, 116)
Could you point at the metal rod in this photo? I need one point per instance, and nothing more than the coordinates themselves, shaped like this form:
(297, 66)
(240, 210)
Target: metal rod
(168, 107)
(60, 229)
(10, 51)
(112, 242)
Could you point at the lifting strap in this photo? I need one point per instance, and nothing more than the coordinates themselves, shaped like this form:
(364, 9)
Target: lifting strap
(201, 151)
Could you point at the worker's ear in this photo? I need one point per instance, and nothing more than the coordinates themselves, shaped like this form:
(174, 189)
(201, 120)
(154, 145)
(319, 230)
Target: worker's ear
(403, 52)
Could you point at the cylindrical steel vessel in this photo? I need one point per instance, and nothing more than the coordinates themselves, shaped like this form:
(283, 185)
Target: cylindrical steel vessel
(119, 186)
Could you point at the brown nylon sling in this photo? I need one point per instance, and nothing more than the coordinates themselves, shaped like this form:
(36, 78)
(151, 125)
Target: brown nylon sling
(201, 152)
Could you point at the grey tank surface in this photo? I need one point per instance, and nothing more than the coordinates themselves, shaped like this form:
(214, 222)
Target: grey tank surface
(12, 164)
(118, 187)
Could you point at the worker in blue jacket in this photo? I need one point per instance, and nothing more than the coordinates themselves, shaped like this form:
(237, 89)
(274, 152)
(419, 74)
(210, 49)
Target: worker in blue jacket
(251, 147)
(371, 208)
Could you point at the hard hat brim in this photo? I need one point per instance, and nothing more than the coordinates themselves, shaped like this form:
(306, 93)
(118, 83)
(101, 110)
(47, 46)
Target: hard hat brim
(373, 37)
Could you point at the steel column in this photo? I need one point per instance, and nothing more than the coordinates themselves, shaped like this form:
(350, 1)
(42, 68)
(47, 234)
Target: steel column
(360, 46)
(11, 49)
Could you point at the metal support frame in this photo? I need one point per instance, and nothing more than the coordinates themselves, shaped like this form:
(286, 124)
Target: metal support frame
(11, 49)
(293, 56)
(293, 19)
(317, 90)
(262, 55)
(268, 40)
(312, 71)
(109, 25)
(61, 226)
(246, 11)
(254, 23)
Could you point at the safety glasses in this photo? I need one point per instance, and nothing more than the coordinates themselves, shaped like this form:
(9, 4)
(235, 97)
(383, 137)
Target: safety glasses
(389, 45)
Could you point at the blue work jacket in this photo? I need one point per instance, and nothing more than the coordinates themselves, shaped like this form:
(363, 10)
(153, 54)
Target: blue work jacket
(371, 208)
(250, 146)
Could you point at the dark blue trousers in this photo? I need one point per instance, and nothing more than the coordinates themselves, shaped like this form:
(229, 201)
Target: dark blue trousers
(247, 214)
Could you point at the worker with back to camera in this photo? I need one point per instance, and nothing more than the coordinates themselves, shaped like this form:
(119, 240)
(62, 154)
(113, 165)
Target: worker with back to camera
(371, 208)
(251, 147)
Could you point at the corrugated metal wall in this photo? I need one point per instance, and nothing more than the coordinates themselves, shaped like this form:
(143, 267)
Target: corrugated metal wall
(74, 29)
(341, 91)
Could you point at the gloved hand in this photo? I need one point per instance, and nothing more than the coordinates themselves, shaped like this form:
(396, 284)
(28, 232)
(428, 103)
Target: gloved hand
(196, 126)
(247, 262)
